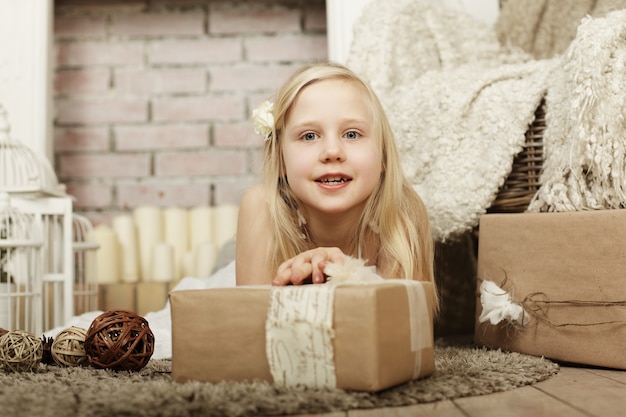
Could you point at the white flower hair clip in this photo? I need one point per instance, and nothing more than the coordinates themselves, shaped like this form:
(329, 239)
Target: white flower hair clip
(264, 119)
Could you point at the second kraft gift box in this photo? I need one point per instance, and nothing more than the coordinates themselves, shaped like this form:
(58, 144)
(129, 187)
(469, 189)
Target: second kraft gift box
(565, 274)
(356, 337)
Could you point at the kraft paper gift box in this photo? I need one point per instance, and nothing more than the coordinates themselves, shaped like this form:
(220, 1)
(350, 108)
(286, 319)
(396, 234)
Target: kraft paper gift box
(366, 337)
(567, 271)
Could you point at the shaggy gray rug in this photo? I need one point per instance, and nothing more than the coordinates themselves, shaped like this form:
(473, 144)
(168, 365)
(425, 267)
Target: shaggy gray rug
(57, 391)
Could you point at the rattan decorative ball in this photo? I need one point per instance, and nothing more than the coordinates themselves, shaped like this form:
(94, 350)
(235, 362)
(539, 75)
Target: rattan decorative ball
(20, 351)
(68, 348)
(120, 340)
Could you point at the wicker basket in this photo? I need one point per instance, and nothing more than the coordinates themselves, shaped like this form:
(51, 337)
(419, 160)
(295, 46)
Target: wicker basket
(456, 260)
(523, 182)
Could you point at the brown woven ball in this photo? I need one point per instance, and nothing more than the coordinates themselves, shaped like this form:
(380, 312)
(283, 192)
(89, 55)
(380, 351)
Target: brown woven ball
(68, 349)
(120, 340)
(20, 351)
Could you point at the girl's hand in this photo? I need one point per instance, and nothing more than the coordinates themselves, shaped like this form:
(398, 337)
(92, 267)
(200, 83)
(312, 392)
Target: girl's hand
(307, 266)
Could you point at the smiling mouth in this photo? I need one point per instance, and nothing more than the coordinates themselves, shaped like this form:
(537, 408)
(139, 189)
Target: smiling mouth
(333, 180)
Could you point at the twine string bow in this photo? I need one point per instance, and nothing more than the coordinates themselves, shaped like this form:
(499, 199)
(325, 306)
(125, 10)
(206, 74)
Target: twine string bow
(499, 306)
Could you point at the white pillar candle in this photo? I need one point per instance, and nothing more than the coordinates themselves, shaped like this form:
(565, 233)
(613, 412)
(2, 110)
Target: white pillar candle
(200, 226)
(224, 223)
(91, 264)
(162, 262)
(107, 259)
(177, 234)
(149, 222)
(126, 233)
(205, 258)
(188, 264)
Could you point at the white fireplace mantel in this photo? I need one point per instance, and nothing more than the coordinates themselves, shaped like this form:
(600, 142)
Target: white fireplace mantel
(26, 71)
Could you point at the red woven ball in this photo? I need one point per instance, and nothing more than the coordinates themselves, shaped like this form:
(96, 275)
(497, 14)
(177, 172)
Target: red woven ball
(120, 340)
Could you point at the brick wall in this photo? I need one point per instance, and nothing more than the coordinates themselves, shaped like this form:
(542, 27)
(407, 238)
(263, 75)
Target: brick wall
(153, 97)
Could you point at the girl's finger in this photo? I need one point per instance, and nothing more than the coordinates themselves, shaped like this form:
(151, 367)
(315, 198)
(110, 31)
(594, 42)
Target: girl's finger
(285, 266)
(318, 260)
(300, 273)
(317, 274)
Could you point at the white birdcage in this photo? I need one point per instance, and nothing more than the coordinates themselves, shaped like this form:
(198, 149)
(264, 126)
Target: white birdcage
(23, 170)
(32, 184)
(21, 283)
(85, 268)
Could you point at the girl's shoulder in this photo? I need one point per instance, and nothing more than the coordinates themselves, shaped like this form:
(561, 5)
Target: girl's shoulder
(254, 207)
(254, 195)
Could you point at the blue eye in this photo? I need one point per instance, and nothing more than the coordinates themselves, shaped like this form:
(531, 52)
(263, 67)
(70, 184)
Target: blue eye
(309, 136)
(353, 134)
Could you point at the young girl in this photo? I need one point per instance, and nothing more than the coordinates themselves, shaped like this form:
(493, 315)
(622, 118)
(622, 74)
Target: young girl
(333, 187)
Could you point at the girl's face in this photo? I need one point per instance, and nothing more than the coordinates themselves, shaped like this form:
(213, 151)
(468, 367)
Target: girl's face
(332, 161)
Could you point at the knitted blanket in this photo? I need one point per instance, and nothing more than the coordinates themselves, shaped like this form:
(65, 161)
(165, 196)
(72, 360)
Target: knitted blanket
(459, 104)
(545, 28)
(585, 136)
(395, 42)
(458, 132)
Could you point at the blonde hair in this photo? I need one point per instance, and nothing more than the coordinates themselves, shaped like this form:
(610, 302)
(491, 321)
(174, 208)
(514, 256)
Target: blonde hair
(394, 211)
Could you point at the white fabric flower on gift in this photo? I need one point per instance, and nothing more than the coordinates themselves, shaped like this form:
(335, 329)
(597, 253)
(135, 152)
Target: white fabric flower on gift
(353, 271)
(264, 119)
(497, 306)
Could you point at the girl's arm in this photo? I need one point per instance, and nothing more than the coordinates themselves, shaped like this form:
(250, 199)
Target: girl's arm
(253, 231)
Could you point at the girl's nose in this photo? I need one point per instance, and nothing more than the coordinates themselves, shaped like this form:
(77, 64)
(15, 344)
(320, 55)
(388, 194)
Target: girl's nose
(332, 150)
